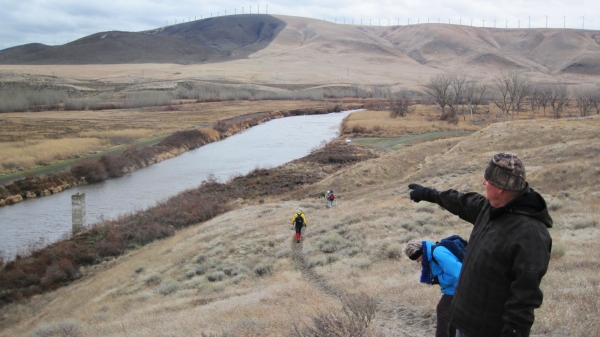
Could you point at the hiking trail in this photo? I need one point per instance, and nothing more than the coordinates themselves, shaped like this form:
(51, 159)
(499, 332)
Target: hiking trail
(391, 320)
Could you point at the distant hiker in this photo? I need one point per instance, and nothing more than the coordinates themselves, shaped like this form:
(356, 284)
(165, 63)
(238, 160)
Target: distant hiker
(508, 254)
(330, 198)
(299, 221)
(438, 266)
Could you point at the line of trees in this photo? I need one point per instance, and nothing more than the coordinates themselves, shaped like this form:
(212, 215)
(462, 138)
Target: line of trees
(456, 94)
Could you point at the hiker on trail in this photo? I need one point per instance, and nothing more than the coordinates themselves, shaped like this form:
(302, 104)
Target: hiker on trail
(299, 221)
(330, 198)
(508, 254)
(438, 266)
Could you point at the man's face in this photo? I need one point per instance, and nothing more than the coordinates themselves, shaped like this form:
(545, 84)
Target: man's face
(419, 259)
(492, 193)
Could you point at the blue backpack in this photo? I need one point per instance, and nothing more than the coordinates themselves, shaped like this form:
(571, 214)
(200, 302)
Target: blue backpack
(455, 244)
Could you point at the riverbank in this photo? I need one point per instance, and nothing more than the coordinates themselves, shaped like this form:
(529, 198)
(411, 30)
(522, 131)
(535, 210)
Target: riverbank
(130, 159)
(65, 261)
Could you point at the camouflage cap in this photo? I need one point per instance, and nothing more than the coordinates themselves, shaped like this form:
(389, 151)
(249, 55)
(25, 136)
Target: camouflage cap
(506, 171)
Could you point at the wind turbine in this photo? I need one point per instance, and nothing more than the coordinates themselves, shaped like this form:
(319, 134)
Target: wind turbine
(460, 21)
(494, 23)
(519, 23)
(471, 22)
(564, 21)
(529, 22)
(546, 20)
(483, 23)
(506, 24)
(418, 20)
(582, 21)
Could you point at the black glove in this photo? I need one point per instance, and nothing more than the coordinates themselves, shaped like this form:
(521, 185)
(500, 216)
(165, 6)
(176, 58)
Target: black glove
(418, 192)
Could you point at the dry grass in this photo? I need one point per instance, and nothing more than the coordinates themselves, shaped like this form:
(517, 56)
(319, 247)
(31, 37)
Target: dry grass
(379, 123)
(204, 279)
(30, 139)
(30, 153)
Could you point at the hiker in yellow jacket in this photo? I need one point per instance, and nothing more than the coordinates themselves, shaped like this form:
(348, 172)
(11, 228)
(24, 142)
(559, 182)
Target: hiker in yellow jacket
(299, 221)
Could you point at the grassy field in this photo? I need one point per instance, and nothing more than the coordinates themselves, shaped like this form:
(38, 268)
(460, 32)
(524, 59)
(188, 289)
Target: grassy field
(32, 139)
(243, 274)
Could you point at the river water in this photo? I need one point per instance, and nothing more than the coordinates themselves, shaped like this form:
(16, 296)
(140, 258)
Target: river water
(48, 219)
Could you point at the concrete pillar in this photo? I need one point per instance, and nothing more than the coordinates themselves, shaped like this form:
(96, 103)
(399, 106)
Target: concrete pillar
(78, 208)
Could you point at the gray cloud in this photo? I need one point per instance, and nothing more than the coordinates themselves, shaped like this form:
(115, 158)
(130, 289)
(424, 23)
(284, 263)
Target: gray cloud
(61, 21)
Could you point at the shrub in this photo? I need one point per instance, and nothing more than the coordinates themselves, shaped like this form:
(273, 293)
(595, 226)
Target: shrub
(555, 205)
(393, 251)
(153, 279)
(354, 319)
(201, 269)
(585, 223)
(425, 207)
(558, 251)
(361, 263)
(428, 229)
(167, 287)
(332, 243)
(68, 328)
(318, 260)
(263, 269)
(423, 219)
(350, 251)
(91, 171)
(216, 276)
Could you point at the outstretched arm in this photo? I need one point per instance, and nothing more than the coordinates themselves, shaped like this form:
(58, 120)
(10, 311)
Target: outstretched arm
(466, 205)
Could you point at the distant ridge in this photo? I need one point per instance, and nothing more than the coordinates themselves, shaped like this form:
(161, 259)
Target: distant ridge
(209, 40)
(440, 47)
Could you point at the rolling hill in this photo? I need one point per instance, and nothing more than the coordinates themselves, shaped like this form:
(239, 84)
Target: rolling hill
(428, 48)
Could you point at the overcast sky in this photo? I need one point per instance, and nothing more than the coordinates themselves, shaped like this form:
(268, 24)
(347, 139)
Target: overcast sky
(55, 22)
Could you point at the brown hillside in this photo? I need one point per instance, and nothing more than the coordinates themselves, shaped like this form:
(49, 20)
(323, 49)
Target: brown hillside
(209, 40)
(241, 274)
(264, 48)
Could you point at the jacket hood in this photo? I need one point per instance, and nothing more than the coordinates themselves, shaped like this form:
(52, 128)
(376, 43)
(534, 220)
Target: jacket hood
(532, 204)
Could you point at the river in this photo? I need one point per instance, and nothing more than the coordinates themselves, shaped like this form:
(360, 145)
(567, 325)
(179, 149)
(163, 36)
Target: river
(47, 219)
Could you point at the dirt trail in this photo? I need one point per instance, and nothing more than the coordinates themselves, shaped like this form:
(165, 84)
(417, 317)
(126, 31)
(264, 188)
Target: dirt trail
(392, 320)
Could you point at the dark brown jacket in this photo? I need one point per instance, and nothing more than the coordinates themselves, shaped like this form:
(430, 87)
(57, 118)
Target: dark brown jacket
(508, 254)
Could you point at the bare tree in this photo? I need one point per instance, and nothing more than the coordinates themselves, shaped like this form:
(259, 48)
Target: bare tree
(475, 94)
(439, 89)
(558, 97)
(510, 90)
(596, 101)
(585, 100)
(457, 84)
(401, 104)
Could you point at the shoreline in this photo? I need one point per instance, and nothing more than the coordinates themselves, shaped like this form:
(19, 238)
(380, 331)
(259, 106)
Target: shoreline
(139, 157)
